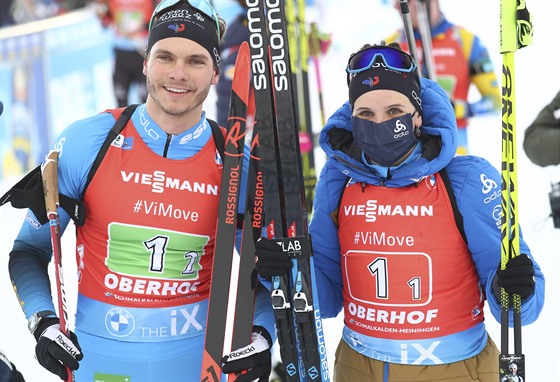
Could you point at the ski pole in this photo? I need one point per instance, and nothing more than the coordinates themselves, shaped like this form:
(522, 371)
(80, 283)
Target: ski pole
(515, 32)
(314, 50)
(425, 27)
(408, 31)
(49, 172)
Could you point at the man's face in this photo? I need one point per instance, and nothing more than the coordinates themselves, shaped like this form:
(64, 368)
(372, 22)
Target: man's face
(179, 73)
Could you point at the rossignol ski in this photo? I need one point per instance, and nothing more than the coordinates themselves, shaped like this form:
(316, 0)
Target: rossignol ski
(295, 302)
(227, 221)
(516, 32)
(244, 305)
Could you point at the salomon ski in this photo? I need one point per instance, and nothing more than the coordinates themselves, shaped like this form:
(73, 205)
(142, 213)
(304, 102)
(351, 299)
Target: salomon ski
(295, 303)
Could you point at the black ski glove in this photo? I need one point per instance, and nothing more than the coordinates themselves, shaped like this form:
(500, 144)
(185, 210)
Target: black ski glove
(271, 260)
(54, 350)
(517, 278)
(253, 361)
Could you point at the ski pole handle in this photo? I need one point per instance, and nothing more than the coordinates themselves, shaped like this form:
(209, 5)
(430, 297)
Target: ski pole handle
(50, 184)
(405, 12)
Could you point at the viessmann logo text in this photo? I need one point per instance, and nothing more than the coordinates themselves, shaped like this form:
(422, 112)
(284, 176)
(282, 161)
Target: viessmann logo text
(372, 209)
(159, 182)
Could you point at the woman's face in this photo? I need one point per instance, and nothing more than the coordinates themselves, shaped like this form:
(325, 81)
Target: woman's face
(381, 105)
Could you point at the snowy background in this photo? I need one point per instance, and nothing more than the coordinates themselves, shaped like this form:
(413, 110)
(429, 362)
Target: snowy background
(353, 23)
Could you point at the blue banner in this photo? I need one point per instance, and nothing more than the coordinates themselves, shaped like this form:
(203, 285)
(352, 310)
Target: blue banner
(52, 72)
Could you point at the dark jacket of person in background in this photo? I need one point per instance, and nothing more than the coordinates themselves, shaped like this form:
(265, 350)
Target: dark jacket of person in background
(542, 137)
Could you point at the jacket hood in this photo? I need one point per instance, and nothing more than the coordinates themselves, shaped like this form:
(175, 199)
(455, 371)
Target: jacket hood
(438, 139)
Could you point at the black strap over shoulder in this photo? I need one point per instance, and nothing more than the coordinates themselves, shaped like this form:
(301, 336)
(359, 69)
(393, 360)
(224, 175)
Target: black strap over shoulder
(218, 137)
(453, 200)
(115, 131)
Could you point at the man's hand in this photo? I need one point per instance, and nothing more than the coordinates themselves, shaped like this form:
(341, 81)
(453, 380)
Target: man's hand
(253, 361)
(55, 351)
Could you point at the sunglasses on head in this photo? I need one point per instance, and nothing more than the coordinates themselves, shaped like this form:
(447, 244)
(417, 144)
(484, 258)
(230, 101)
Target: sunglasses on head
(202, 5)
(384, 56)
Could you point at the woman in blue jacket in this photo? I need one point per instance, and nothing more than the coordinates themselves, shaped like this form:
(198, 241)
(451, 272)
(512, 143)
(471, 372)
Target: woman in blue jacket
(406, 236)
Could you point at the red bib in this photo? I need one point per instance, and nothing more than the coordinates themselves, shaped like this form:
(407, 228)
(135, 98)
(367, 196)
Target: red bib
(407, 271)
(452, 67)
(149, 235)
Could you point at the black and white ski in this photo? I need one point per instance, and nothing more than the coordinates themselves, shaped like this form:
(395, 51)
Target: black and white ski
(294, 299)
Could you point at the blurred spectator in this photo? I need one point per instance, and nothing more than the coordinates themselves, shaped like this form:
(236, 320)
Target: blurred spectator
(129, 21)
(6, 18)
(542, 137)
(460, 59)
(23, 11)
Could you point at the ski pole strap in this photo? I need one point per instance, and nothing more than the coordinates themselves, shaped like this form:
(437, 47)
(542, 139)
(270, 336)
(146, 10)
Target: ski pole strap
(524, 25)
(296, 246)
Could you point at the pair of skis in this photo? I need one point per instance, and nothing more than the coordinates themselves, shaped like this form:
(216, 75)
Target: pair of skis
(294, 298)
(276, 182)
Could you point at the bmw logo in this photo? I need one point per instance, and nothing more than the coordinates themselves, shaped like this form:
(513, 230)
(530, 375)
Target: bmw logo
(119, 322)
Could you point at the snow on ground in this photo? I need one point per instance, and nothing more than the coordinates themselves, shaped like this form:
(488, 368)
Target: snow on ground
(353, 23)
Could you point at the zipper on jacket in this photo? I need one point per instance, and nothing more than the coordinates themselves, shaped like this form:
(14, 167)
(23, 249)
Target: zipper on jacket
(167, 143)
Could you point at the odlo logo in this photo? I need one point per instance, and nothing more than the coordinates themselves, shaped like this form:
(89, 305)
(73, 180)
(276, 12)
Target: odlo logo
(400, 129)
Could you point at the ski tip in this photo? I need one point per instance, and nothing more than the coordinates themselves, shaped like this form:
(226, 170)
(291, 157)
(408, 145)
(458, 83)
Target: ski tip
(242, 74)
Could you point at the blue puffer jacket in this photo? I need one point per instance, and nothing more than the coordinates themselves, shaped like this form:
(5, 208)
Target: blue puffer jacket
(475, 183)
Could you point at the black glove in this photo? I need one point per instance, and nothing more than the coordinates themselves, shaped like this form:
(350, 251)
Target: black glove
(271, 259)
(54, 350)
(253, 361)
(518, 277)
